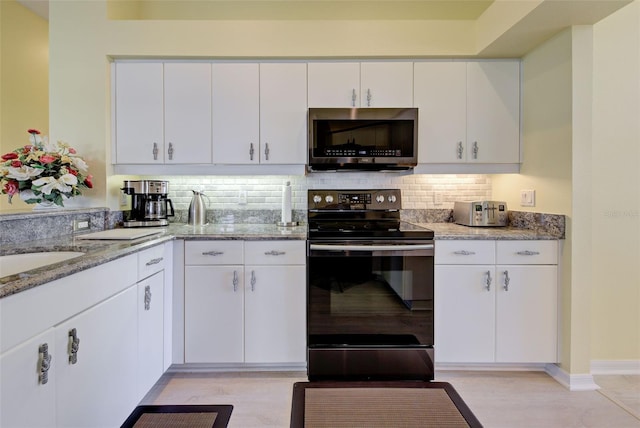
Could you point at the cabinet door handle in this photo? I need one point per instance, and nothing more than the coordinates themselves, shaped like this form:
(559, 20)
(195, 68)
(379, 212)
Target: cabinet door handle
(147, 297)
(488, 280)
(44, 362)
(170, 151)
(235, 281)
(464, 253)
(253, 280)
(475, 150)
(353, 97)
(368, 97)
(74, 346)
(274, 253)
(212, 253)
(250, 151)
(506, 280)
(154, 261)
(460, 149)
(528, 253)
(155, 151)
(266, 151)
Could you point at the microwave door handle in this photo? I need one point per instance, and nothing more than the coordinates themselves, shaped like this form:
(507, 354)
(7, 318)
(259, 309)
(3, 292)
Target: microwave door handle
(339, 247)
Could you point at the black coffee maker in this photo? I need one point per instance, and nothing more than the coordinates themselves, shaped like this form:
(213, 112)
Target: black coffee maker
(149, 205)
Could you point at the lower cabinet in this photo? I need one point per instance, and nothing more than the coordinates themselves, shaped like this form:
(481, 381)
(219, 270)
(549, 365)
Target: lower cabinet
(150, 314)
(245, 302)
(496, 302)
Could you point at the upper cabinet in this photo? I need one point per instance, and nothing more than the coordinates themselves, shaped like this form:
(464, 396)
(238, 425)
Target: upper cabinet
(355, 84)
(259, 113)
(469, 111)
(162, 113)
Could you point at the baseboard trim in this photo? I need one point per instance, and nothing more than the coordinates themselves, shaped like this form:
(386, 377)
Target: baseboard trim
(615, 367)
(528, 367)
(239, 367)
(573, 382)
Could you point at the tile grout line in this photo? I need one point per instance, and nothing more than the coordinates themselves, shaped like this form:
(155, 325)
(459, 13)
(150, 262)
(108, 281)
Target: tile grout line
(618, 403)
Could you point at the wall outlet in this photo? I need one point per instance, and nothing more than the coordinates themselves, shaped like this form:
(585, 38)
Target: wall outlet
(527, 198)
(438, 198)
(124, 200)
(81, 224)
(242, 197)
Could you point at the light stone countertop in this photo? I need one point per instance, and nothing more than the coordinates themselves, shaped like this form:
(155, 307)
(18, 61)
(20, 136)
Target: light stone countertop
(450, 231)
(98, 252)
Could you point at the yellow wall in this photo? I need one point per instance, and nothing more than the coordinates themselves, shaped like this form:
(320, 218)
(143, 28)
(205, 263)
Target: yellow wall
(616, 187)
(24, 79)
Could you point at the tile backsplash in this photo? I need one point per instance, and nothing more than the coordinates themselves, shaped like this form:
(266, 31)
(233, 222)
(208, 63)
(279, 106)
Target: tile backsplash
(264, 192)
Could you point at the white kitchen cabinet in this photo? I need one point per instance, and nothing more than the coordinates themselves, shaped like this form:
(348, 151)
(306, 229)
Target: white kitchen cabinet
(26, 399)
(99, 388)
(151, 309)
(481, 317)
(259, 113)
(355, 84)
(245, 302)
(275, 302)
(469, 111)
(162, 113)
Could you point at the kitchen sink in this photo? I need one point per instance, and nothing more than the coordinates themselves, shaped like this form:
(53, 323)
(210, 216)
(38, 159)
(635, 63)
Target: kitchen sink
(16, 263)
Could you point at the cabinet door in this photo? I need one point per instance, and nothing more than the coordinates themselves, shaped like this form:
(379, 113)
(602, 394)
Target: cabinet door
(187, 113)
(283, 113)
(333, 84)
(236, 113)
(24, 400)
(139, 113)
(493, 111)
(386, 84)
(150, 332)
(214, 327)
(464, 313)
(99, 389)
(440, 92)
(275, 314)
(527, 314)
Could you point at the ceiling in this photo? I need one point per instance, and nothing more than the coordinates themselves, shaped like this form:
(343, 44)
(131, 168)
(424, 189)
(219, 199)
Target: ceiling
(502, 27)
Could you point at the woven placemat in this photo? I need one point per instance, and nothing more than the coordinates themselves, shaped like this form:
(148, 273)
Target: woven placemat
(176, 420)
(380, 408)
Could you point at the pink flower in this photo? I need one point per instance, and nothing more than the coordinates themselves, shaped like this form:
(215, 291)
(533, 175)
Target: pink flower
(72, 150)
(88, 181)
(11, 188)
(10, 156)
(16, 164)
(33, 131)
(47, 159)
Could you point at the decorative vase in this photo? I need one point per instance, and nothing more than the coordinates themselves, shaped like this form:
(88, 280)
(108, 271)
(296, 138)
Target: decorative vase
(46, 205)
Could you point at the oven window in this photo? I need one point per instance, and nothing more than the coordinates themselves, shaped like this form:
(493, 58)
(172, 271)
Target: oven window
(364, 297)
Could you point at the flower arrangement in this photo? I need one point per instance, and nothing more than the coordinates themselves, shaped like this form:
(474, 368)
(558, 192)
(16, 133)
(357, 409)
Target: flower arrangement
(42, 171)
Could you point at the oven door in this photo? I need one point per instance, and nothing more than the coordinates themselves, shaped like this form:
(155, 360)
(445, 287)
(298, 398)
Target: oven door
(370, 310)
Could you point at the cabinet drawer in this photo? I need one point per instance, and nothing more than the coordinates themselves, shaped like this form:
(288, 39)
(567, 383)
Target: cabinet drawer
(150, 261)
(275, 252)
(465, 252)
(527, 252)
(213, 253)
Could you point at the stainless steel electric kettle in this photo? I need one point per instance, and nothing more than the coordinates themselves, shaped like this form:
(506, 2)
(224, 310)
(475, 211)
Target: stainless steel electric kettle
(197, 209)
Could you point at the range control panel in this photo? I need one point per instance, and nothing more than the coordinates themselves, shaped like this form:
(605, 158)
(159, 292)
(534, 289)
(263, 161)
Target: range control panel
(337, 200)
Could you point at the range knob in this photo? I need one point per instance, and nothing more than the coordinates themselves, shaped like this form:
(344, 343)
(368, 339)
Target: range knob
(392, 199)
(380, 199)
(317, 199)
(328, 199)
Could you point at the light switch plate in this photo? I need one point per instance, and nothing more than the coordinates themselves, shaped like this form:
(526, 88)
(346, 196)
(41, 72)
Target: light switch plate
(527, 198)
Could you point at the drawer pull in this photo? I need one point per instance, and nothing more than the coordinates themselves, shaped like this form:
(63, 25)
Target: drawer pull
(528, 253)
(464, 253)
(74, 346)
(212, 253)
(44, 362)
(154, 261)
(274, 253)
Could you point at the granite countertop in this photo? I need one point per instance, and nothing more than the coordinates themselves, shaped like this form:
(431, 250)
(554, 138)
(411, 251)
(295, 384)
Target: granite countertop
(449, 231)
(97, 252)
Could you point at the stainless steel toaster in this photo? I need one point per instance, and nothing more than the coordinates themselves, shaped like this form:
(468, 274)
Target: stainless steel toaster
(480, 213)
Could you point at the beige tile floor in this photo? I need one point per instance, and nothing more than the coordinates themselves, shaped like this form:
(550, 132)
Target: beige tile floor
(498, 399)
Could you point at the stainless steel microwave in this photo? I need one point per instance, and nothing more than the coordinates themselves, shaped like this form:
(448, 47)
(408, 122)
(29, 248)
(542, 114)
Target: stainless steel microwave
(363, 139)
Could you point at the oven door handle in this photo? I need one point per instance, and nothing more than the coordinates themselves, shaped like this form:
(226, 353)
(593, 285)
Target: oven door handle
(349, 247)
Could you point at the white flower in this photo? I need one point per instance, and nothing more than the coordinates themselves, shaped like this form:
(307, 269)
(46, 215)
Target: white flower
(68, 179)
(47, 184)
(80, 164)
(23, 173)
